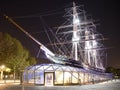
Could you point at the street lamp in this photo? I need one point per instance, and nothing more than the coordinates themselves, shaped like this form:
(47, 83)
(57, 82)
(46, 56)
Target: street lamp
(2, 67)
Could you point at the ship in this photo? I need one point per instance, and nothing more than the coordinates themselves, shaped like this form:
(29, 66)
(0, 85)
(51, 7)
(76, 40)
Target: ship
(77, 53)
(77, 42)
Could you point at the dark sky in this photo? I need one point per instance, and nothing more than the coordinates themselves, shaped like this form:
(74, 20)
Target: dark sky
(106, 11)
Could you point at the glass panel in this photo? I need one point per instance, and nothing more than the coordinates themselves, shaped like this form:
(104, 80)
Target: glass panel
(50, 68)
(67, 77)
(58, 77)
(25, 75)
(74, 77)
(40, 68)
(31, 76)
(81, 77)
(86, 78)
(39, 77)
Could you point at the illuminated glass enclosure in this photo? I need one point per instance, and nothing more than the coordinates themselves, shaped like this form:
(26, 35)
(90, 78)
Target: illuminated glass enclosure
(55, 74)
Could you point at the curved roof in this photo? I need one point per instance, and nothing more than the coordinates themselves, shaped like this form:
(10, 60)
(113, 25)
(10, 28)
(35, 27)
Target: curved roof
(54, 67)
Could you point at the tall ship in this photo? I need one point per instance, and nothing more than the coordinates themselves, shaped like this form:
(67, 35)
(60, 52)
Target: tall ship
(78, 55)
(77, 42)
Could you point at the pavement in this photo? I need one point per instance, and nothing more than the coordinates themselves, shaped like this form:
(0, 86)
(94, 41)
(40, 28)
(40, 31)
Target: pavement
(108, 85)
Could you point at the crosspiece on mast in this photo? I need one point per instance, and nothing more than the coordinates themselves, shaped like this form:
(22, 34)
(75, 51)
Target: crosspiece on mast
(81, 23)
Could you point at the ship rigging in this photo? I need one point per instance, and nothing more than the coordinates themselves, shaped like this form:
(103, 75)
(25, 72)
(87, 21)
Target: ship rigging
(77, 43)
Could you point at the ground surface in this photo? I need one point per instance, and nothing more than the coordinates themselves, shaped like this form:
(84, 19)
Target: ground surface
(110, 85)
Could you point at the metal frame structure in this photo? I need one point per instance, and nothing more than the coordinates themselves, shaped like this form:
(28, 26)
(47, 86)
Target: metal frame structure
(62, 75)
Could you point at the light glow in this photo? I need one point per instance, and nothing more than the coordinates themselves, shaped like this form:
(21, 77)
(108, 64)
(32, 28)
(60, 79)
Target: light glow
(76, 21)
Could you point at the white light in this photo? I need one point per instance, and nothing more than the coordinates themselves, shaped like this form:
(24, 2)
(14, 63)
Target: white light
(3, 66)
(88, 46)
(75, 37)
(76, 21)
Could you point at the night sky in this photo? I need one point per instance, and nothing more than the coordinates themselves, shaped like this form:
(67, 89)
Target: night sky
(105, 11)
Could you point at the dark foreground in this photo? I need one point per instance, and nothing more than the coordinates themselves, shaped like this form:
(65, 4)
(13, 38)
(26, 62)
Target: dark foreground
(110, 85)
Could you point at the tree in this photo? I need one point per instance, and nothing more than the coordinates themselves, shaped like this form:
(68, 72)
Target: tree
(13, 54)
(110, 70)
(32, 60)
(114, 71)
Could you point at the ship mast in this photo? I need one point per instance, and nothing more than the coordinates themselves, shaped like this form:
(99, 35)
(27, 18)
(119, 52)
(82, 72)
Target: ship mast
(75, 37)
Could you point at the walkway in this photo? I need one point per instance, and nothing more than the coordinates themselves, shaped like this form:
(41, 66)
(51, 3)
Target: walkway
(110, 85)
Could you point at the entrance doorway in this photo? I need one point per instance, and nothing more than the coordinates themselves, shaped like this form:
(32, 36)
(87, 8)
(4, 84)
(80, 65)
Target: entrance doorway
(49, 78)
